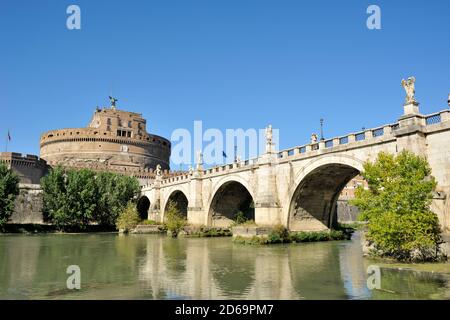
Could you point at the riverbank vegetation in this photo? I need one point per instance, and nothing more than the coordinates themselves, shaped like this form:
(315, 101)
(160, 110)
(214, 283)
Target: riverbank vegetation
(75, 199)
(280, 234)
(9, 189)
(174, 220)
(128, 219)
(208, 232)
(396, 207)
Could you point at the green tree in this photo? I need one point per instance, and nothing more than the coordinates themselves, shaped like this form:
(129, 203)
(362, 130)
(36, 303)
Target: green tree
(54, 195)
(397, 207)
(128, 218)
(9, 189)
(70, 197)
(174, 220)
(77, 198)
(114, 192)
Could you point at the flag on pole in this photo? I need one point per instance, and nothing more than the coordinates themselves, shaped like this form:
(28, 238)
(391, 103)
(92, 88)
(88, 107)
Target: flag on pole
(224, 154)
(9, 136)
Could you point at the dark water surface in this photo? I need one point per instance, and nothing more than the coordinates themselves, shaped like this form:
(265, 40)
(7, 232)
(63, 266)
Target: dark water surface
(157, 267)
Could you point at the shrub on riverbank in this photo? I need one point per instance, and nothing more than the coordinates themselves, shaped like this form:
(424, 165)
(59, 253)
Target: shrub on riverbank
(9, 189)
(318, 236)
(74, 199)
(396, 206)
(174, 220)
(128, 218)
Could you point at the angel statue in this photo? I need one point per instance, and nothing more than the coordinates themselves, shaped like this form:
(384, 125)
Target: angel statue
(314, 138)
(408, 85)
(158, 170)
(269, 137)
(269, 134)
(199, 163)
(113, 101)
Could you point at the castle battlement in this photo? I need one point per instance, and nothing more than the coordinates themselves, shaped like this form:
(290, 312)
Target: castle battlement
(29, 168)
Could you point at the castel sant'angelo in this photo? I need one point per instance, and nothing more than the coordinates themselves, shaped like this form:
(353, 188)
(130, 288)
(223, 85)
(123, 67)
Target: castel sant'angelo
(114, 140)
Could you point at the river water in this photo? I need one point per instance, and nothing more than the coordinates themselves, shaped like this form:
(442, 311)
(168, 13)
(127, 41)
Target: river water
(158, 267)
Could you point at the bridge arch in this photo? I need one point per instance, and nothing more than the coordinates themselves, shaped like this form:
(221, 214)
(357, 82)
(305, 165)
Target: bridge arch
(229, 196)
(142, 206)
(180, 198)
(312, 199)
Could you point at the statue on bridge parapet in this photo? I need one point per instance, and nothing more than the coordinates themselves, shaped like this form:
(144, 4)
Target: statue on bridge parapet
(411, 106)
(199, 165)
(409, 87)
(314, 138)
(269, 137)
(158, 171)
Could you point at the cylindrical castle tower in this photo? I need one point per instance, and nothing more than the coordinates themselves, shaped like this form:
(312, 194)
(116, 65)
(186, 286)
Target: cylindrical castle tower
(114, 140)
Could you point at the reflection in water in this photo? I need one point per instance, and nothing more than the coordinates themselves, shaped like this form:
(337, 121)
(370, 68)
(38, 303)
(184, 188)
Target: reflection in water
(354, 269)
(158, 267)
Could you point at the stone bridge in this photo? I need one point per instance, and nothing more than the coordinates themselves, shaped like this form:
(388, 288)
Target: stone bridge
(299, 187)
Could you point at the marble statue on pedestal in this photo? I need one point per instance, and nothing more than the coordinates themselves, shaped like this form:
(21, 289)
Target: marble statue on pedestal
(408, 85)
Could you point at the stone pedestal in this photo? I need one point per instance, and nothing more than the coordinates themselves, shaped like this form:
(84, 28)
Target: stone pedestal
(411, 108)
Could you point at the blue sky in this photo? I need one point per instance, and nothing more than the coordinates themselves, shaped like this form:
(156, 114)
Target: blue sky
(231, 64)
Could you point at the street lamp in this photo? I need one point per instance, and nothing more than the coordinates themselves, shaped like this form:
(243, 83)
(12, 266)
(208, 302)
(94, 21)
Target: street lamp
(321, 129)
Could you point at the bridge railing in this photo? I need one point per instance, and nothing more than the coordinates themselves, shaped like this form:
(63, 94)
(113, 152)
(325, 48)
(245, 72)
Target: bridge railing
(182, 176)
(342, 140)
(433, 118)
(356, 137)
(368, 134)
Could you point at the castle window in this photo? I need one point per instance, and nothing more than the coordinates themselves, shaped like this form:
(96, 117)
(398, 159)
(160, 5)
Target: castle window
(129, 124)
(119, 133)
(129, 134)
(108, 121)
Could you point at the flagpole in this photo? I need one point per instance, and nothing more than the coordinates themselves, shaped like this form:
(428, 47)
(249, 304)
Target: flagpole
(6, 144)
